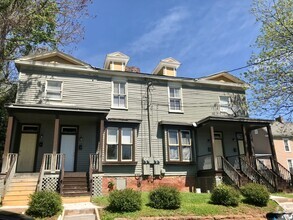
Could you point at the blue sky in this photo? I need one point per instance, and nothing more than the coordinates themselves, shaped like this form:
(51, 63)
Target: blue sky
(205, 36)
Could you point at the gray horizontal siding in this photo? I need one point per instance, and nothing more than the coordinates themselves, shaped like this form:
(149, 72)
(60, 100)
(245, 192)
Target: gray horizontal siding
(95, 92)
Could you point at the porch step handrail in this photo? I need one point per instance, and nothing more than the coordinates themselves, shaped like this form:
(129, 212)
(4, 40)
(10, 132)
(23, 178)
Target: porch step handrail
(254, 175)
(231, 172)
(61, 184)
(94, 166)
(10, 168)
(51, 163)
(283, 172)
(267, 173)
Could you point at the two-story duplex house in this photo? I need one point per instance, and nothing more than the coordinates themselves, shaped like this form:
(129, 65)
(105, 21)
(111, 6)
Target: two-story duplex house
(132, 129)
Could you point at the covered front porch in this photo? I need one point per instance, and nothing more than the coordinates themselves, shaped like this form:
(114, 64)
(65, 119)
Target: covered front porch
(226, 152)
(53, 142)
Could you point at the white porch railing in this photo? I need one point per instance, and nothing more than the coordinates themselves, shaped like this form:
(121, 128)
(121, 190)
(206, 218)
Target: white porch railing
(10, 169)
(51, 163)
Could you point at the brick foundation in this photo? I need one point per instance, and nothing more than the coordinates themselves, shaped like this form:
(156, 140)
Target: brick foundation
(182, 183)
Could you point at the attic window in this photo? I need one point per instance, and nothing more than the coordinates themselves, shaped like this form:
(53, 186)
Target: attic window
(54, 89)
(225, 105)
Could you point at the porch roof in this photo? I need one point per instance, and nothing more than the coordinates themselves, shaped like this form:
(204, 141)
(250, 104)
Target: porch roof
(122, 120)
(175, 123)
(55, 108)
(251, 122)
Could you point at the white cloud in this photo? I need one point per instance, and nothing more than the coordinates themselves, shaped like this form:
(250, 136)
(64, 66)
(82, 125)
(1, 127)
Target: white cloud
(161, 31)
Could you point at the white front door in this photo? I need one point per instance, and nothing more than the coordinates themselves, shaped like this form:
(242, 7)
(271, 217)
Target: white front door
(218, 150)
(68, 149)
(27, 152)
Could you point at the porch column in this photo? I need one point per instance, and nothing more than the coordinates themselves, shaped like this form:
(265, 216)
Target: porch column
(100, 147)
(214, 167)
(251, 153)
(7, 143)
(56, 135)
(55, 142)
(273, 150)
(245, 140)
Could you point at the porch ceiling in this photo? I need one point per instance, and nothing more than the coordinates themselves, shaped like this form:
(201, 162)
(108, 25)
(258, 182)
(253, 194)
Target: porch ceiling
(250, 123)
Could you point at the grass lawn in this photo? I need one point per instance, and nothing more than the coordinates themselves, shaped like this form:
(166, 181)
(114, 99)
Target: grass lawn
(192, 204)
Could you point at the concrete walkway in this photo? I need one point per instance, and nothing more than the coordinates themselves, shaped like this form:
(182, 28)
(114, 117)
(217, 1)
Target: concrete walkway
(285, 203)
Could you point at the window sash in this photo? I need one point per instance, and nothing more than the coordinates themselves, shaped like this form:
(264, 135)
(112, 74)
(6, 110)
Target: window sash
(54, 89)
(112, 152)
(175, 99)
(119, 144)
(119, 95)
(179, 145)
(286, 145)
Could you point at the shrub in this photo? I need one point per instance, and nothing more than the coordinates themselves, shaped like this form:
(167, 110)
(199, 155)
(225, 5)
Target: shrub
(126, 200)
(255, 194)
(44, 204)
(225, 195)
(165, 197)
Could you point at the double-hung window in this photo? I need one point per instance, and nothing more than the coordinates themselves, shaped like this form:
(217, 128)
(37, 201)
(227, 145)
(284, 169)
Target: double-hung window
(119, 146)
(225, 105)
(175, 99)
(286, 145)
(179, 145)
(119, 99)
(54, 89)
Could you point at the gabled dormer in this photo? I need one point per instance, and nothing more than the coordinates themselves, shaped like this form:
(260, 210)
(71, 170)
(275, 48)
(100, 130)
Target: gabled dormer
(52, 57)
(116, 61)
(167, 67)
(223, 77)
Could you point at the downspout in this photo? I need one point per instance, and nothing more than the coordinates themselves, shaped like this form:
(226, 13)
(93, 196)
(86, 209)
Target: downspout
(149, 119)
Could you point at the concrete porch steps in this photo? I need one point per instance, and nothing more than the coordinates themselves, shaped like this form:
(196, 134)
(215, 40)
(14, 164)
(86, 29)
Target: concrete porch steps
(21, 186)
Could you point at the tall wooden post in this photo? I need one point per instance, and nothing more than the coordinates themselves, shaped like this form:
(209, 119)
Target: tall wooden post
(244, 140)
(7, 143)
(55, 142)
(273, 150)
(100, 147)
(214, 167)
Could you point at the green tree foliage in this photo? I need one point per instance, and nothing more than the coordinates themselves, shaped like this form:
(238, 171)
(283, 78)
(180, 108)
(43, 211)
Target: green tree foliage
(29, 24)
(271, 75)
(9, 97)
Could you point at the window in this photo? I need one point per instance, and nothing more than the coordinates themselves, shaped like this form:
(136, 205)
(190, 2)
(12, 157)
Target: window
(54, 89)
(175, 99)
(225, 105)
(179, 145)
(286, 145)
(119, 144)
(290, 165)
(119, 95)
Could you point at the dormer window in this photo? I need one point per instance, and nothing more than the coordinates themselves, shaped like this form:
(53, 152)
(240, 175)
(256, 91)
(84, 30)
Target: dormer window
(116, 61)
(54, 90)
(167, 67)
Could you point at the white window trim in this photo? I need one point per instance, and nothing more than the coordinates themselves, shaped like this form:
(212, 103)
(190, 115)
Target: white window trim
(181, 98)
(288, 144)
(229, 110)
(131, 143)
(180, 145)
(126, 93)
(61, 90)
(288, 163)
(190, 145)
(117, 136)
(176, 145)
